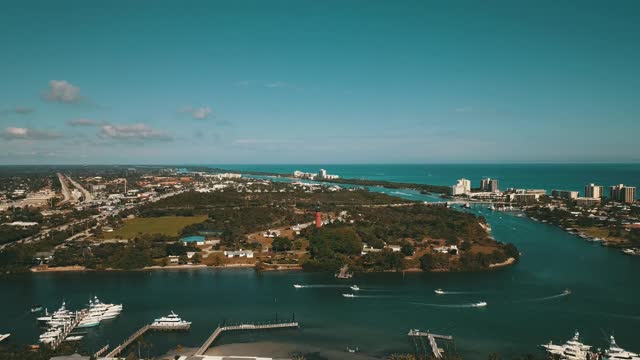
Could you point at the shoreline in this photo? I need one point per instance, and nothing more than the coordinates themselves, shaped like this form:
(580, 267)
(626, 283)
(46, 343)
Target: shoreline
(77, 268)
(507, 262)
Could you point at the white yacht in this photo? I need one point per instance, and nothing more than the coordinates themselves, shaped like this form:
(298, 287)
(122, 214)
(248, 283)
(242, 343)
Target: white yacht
(571, 350)
(348, 295)
(615, 352)
(171, 320)
(89, 321)
(4, 336)
(74, 338)
(59, 314)
(479, 304)
(101, 311)
(354, 287)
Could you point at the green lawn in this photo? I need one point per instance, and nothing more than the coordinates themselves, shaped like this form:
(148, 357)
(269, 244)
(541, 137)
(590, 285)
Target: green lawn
(168, 225)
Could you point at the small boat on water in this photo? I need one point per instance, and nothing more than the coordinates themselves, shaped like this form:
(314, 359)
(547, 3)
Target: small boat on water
(297, 286)
(479, 304)
(440, 292)
(348, 295)
(354, 288)
(4, 336)
(36, 308)
(353, 350)
(567, 292)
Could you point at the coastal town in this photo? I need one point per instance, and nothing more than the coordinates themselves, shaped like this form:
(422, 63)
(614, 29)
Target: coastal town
(612, 220)
(157, 218)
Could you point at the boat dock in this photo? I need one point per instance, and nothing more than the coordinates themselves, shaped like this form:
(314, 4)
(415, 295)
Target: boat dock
(101, 351)
(67, 329)
(167, 327)
(118, 349)
(436, 351)
(220, 329)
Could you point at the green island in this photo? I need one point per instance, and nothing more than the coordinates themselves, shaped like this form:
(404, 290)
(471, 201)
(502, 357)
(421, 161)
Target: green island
(271, 226)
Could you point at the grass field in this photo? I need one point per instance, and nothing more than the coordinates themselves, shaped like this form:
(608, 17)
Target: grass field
(168, 225)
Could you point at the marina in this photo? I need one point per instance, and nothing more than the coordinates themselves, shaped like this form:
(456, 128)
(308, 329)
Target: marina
(244, 327)
(171, 322)
(436, 351)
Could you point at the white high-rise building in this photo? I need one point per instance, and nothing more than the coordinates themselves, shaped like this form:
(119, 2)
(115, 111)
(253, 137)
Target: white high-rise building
(594, 191)
(623, 194)
(462, 187)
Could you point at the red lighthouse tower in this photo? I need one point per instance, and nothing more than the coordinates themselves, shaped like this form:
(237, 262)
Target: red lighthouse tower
(318, 217)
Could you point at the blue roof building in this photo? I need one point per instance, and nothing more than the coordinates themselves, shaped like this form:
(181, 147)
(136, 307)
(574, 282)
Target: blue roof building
(199, 240)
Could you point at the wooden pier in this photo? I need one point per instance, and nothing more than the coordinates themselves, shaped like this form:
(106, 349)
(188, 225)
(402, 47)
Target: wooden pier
(437, 352)
(101, 351)
(220, 329)
(67, 329)
(118, 349)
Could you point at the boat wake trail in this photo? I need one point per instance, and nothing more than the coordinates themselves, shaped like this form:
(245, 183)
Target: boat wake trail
(375, 296)
(401, 193)
(562, 294)
(321, 286)
(445, 305)
(458, 292)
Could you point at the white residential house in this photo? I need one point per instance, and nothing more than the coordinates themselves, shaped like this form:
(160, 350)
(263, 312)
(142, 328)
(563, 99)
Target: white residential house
(239, 253)
(453, 249)
(367, 249)
(394, 248)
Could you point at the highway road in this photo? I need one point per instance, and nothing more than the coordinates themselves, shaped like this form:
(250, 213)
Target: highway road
(65, 189)
(87, 195)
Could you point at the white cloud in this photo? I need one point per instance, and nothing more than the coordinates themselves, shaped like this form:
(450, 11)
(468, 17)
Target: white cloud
(17, 133)
(198, 113)
(85, 122)
(276, 84)
(464, 109)
(134, 132)
(62, 91)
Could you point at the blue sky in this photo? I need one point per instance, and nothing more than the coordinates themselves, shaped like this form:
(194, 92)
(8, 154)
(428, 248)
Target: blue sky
(307, 81)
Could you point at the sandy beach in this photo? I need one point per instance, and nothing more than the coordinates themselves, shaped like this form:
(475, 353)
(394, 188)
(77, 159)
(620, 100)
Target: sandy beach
(275, 350)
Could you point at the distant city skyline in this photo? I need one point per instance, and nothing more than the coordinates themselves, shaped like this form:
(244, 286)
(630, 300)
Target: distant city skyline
(331, 82)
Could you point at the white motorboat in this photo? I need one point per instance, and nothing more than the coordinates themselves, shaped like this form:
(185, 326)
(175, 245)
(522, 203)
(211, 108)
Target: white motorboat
(479, 304)
(440, 292)
(354, 288)
(348, 295)
(171, 320)
(297, 286)
(74, 338)
(615, 352)
(36, 308)
(4, 336)
(571, 350)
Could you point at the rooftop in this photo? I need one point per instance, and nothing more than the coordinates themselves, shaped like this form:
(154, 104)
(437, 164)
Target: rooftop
(193, 238)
